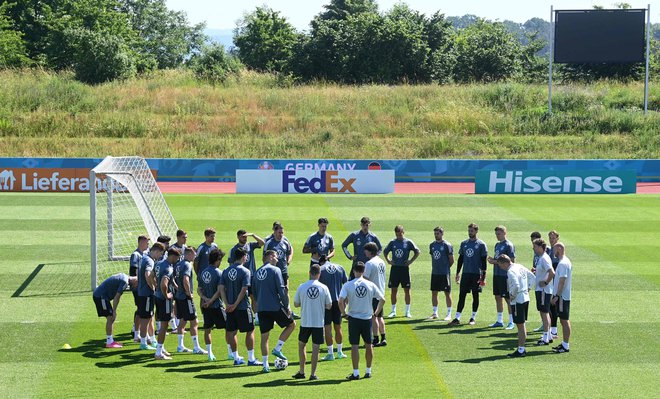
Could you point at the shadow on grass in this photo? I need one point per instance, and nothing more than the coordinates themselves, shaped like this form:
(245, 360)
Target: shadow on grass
(292, 382)
(226, 376)
(495, 357)
(403, 321)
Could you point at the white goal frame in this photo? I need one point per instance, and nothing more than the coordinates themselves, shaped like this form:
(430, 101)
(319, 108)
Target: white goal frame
(124, 202)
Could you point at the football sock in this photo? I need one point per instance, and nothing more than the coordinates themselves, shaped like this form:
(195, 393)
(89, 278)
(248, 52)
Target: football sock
(368, 370)
(435, 310)
(137, 335)
(180, 337)
(264, 359)
(564, 344)
(279, 345)
(153, 339)
(499, 317)
(209, 350)
(510, 318)
(159, 350)
(382, 337)
(143, 340)
(251, 355)
(229, 351)
(195, 341)
(331, 349)
(474, 315)
(553, 330)
(521, 349)
(458, 315)
(236, 357)
(109, 339)
(394, 308)
(375, 340)
(339, 346)
(449, 311)
(407, 308)
(356, 372)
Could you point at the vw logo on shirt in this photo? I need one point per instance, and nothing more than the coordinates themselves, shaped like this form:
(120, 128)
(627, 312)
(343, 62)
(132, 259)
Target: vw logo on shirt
(331, 269)
(313, 292)
(398, 253)
(206, 277)
(262, 274)
(469, 252)
(233, 273)
(361, 291)
(436, 255)
(381, 268)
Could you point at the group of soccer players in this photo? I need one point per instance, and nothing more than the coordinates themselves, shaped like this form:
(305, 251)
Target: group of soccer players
(241, 296)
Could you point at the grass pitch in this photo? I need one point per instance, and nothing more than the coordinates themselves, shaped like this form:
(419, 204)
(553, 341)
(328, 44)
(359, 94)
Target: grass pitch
(612, 241)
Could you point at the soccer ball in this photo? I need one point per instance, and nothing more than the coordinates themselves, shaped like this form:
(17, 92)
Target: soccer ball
(280, 364)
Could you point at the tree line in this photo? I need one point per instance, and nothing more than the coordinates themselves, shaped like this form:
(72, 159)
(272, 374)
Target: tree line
(350, 42)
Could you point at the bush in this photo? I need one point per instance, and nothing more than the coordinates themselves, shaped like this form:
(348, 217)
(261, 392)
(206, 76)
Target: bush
(214, 65)
(99, 57)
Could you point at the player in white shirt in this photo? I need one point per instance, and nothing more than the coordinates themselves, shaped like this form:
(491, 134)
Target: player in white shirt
(374, 271)
(358, 294)
(544, 288)
(562, 296)
(315, 299)
(519, 282)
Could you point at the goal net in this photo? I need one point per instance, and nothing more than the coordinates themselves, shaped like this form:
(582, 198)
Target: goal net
(125, 202)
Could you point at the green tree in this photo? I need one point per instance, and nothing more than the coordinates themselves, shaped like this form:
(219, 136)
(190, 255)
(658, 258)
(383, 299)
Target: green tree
(342, 9)
(486, 52)
(265, 40)
(440, 36)
(165, 35)
(213, 64)
(12, 48)
(99, 57)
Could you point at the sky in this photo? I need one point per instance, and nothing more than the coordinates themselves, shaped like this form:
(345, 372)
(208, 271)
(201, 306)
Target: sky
(223, 14)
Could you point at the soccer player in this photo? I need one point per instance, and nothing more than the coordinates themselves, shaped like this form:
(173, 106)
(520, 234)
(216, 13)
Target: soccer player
(180, 244)
(165, 240)
(163, 297)
(134, 265)
(284, 249)
(321, 240)
(209, 290)
(502, 247)
(518, 286)
(249, 248)
(204, 249)
(374, 271)
(185, 304)
(359, 294)
(314, 298)
(553, 238)
(235, 282)
(400, 249)
(146, 286)
(544, 287)
(273, 306)
(111, 290)
(359, 239)
(332, 276)
(562, 294)
(472, 254)
(442, 259)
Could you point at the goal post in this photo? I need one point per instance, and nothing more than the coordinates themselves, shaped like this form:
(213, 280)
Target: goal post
(125, 202)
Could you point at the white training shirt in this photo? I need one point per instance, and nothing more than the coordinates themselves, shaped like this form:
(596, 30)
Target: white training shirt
(518, 282)
(564, 269)
(359, 293)
(313, 297)
(543, 267)
(374, 271)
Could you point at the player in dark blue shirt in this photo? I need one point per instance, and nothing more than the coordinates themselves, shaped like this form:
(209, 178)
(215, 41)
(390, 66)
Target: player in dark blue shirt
(145, 290)
(359, 239)
(249, 248)
(209, 290)
(442, 259)
(235, 282)
(164, 295)
(111, 290)
(472, 255)
(334, 277)
(400, 248)
(321, 240)
(500, 290)
(270, 291)
(204, 249)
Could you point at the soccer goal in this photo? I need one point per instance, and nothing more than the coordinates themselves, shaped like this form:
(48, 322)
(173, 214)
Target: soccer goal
(125, 202)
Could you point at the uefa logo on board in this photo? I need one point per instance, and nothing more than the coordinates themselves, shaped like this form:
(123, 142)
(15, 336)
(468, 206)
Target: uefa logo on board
(266, 165)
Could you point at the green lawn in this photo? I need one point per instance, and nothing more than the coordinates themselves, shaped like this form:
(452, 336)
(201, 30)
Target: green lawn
(612, 241)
